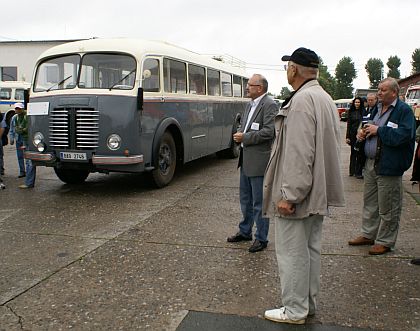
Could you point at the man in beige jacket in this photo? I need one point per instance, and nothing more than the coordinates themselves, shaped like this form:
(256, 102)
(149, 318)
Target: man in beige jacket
(301, 181)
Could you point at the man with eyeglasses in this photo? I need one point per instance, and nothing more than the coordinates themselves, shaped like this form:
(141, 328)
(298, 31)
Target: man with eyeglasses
(302, 181)
(255, 136)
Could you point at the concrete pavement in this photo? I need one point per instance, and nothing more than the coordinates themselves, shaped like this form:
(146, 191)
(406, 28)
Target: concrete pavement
(115, 254)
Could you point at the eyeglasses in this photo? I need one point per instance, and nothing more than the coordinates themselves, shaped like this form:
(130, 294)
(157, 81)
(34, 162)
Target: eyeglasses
(254, 84)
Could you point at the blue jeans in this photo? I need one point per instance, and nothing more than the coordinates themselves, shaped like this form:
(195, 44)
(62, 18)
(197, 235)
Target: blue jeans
(251, 197)
(1, 157)
(19, 154)
(30, 171)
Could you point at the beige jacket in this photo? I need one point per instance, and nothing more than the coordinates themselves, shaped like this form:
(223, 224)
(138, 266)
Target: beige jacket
(304, 166)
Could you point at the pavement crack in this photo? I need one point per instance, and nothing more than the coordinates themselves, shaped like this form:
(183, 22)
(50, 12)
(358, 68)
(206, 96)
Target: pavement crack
(20, 318)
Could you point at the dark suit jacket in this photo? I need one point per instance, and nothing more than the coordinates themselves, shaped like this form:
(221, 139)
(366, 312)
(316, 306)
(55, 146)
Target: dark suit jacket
(257, 142)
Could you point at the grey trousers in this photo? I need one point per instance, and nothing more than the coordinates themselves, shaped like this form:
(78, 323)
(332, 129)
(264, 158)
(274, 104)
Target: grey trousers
(382, 202)
(298, 250)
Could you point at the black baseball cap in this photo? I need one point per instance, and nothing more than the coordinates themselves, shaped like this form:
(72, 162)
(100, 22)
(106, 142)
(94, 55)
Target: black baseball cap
(304, 57)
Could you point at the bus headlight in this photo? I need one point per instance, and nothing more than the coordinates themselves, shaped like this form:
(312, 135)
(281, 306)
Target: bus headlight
(40, 147)
(38, 138)
(114, 142)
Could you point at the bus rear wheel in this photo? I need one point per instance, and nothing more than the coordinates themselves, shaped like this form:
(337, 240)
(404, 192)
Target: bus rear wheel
(165, 162)
(70, 176)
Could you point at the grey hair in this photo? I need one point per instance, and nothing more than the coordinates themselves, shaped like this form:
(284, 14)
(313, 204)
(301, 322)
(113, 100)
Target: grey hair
(263, 81)
(307, 72)
(393, 84)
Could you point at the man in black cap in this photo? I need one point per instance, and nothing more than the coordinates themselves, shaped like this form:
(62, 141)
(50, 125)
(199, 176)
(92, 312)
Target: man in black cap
(301, 182)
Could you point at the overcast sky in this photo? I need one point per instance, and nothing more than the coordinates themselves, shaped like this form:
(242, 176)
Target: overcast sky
(257, 32)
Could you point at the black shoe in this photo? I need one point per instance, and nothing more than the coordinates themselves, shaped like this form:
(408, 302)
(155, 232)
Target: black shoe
(237, 238)
(21, 175)
(257, 246)
(359, 176)
(415, 261)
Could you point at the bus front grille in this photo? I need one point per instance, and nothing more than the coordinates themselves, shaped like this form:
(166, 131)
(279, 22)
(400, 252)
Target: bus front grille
(74, 128)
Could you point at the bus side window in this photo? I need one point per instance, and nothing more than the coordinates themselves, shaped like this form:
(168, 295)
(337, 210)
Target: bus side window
(152, 82)
(19, 94)
(5, 93)
(226, 84)
(237, 88)
(197, 80)
(213, 82)
(244, 84)
(174, 76)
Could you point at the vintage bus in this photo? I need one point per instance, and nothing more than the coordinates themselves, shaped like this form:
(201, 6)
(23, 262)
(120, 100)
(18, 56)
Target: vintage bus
(10, 93)
(412, 98)
(126, 105)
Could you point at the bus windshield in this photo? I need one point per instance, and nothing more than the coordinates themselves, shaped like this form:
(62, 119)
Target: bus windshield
(57, 73)
(97, 71)
(108, 71)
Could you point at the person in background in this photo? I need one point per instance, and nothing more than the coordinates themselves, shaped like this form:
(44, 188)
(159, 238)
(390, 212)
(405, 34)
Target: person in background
(354, 121)
(255, 136)
(16, 137)
(301, 182)
(415, 176)
(3, 127)
(372, 101)
(389, 147)
(2, 142)
(21, 128)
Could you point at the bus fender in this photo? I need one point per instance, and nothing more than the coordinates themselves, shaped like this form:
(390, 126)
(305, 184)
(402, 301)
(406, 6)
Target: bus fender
(162, 128)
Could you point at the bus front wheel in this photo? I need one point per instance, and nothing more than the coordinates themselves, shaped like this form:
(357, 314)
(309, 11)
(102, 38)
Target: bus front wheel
(70, 176)
(165, 162)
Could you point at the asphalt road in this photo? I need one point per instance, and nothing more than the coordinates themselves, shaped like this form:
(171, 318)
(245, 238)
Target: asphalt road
(116, 254)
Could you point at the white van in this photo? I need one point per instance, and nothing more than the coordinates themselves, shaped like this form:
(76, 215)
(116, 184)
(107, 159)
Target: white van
(412, 98)
(10, 93)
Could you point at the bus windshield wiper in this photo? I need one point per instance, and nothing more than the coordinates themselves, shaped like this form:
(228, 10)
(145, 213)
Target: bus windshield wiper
(59, 83)
(116, 83)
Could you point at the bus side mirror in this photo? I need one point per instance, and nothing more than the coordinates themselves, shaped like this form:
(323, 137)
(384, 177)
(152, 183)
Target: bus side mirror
(140, 99)
(26, 98)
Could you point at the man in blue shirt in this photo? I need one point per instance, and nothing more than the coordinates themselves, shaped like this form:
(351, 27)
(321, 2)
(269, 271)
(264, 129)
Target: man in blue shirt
(389, 147)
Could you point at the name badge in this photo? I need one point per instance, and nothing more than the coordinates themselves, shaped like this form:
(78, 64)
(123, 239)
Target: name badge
(255, 126)
(392, 125)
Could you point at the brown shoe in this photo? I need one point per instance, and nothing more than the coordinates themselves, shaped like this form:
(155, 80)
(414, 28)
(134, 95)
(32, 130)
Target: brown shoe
(379, 250)
(359, 241)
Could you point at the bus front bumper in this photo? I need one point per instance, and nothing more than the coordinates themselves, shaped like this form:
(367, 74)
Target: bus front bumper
(96, 159)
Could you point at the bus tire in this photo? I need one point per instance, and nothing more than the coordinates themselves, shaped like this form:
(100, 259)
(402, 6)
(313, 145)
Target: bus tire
(70, 176)
(165, 161)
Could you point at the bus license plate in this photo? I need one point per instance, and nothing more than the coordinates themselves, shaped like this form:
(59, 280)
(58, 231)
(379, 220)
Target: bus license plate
(73, 156)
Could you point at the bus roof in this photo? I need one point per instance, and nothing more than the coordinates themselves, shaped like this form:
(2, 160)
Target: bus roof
(343, 100)
(140, 48)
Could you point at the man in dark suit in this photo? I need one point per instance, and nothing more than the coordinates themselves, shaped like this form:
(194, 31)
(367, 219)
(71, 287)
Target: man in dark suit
(255, 136)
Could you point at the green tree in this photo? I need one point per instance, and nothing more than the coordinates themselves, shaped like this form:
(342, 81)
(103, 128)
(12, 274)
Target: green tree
(415, 61)
(326, 80)
(284, 93)
(345, 73)
(393, 64)
(375, 70)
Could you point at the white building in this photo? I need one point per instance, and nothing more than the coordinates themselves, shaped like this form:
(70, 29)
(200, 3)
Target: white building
(18, 58)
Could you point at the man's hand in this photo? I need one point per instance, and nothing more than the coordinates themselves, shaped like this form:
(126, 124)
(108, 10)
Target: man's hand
(370, 130)
(238, 137)
(285, 208)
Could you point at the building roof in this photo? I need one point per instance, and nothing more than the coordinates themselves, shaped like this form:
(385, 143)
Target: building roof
(57, 41)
